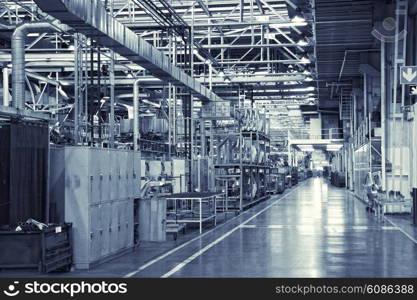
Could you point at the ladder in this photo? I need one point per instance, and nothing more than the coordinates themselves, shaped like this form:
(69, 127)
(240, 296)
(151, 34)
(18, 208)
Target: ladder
(345, 106)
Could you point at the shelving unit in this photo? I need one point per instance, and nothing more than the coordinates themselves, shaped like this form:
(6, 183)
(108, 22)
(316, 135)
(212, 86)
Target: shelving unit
(276, 183)
(367, 158)
(241, 146)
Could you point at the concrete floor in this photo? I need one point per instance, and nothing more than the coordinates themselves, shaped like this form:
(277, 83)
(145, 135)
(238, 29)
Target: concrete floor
(313, 230)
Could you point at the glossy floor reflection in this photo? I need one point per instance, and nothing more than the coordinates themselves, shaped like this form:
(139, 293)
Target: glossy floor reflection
(316, 231)
(312, 230)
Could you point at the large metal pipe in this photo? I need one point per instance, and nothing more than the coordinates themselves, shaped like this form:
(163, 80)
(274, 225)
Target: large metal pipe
(5, 86)
(18, 59)
(136, 114)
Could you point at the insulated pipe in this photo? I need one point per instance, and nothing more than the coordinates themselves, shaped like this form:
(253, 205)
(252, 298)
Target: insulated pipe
(136, 114)
(5, 86)
(18, 59)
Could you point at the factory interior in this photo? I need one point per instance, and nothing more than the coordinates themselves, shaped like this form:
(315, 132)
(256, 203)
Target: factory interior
(208, 138)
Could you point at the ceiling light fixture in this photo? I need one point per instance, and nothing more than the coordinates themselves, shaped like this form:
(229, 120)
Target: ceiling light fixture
(298, 19)
(307, 89)
(302, 43)
(270, 36)
(334, 147)
(298, 22)
(157, 105)
(306, 148)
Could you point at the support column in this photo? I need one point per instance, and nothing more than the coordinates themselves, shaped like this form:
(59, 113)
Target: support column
(383, 119)
(112, 100)
(76, 90)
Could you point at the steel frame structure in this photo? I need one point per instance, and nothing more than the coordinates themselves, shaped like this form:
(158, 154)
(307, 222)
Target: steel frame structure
(252, 47)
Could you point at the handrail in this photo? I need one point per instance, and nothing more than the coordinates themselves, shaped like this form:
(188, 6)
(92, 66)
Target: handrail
(309, 134)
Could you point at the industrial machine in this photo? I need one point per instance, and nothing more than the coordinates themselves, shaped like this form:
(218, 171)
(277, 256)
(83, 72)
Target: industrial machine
(276, 181)
(240, 148)
(294, 175)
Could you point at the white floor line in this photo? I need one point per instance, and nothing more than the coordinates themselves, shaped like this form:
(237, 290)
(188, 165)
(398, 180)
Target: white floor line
(401, 230)
(328, 227)
(393, 224)
(201, 251)
(151, 262)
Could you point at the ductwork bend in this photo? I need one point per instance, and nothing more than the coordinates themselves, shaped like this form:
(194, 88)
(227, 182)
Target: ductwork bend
(18, 59)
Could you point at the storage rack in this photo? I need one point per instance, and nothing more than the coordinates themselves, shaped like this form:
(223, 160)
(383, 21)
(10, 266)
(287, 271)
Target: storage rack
(240, 144)
(276, 181)
(367, 157)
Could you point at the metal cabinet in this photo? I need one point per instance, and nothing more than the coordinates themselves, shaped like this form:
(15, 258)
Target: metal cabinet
(168, 167)
(130, 223)
(105, 172)
(123, 227)
(136, 181)
(178, 170)
(114, 228)
(155, 168)
(105, 219)
(152, 219)
(100, 185)
(123, 178)
(114, 174)
(95, 233)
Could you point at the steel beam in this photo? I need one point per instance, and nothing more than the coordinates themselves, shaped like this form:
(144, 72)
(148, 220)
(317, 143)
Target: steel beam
(92, 19)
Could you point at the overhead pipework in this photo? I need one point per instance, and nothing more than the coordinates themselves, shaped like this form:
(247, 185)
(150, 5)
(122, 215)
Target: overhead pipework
(136, 114)
(18, 58)
(92, 19)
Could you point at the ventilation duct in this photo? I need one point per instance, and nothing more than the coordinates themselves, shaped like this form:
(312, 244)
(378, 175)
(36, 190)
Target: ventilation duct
(18, 59)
